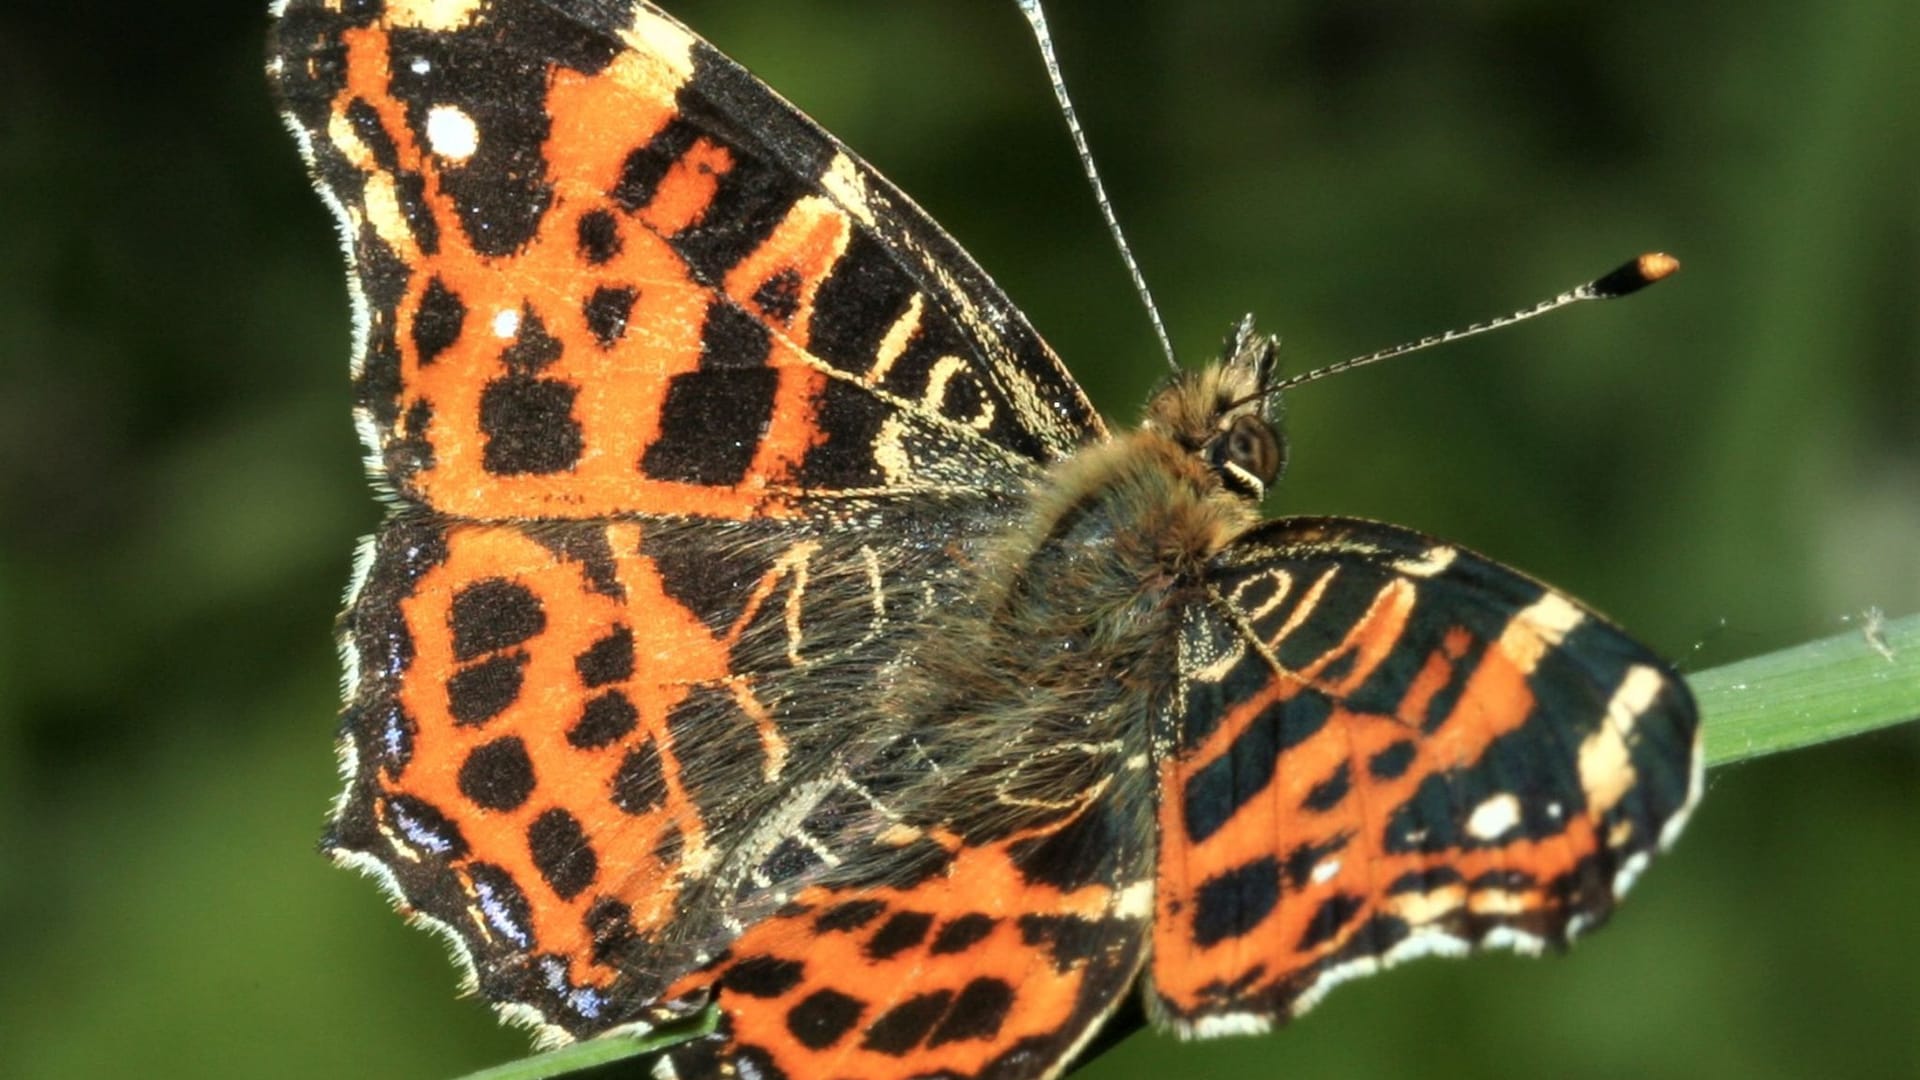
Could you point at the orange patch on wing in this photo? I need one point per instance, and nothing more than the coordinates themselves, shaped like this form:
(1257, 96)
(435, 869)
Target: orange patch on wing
(673, 650)
(1274, 821)
(618, 392)
(982, 881)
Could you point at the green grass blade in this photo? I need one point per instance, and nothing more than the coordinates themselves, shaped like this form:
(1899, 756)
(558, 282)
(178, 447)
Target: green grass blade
(1824, 690)
(607, 1048)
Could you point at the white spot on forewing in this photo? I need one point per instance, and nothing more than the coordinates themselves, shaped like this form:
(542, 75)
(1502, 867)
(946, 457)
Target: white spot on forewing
(1553, 617)
(420, 65)
(1493, 817)
(1325, 871)
(844, 184)
(656, 37)
(506, 323)
(1606, 768)
(451, 133)
(1429, 562)
(1538, 627)
(437, 15)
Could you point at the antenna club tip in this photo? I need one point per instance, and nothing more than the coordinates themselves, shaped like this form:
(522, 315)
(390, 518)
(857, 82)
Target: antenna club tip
(1655, 265)
(1635, 275)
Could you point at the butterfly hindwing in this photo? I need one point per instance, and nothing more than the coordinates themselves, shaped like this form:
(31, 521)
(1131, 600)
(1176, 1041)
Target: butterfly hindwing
(1384, 746)
(598, 268)
(969, 966)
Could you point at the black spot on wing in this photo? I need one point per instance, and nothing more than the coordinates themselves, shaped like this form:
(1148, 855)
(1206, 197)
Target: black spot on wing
(610, 923)
(598, 236)
(850, 915)
(437, 322)
(501, 192)
(763, 976)
(497, 775)
(857, 304)
(608, 660)
(640, 785)
(561, 853)
(529, 426)
(646, 166)
(606, 313)
(1302, 860)
(494, 614)
(1232, 903)
(1331, 792)
(605, 720)
(823, 1018)
(710, 426)
(533, 349)
(977, 1013)
(1332, 916)
(778, 297)
(962, 933)
(1392, 762)
(1222, 786)
(482, 691)
(903, 930)
(906, 1025)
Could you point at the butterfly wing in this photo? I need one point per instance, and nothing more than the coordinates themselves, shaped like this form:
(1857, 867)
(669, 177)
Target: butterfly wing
(685, 411)
(1382, 747)
(995, 959)
(598, 268)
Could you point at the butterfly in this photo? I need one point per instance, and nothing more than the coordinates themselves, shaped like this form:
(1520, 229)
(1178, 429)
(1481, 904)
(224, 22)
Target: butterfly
(764, 618)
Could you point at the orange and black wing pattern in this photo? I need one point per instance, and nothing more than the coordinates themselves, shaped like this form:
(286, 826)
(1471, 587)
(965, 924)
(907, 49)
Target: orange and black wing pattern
(994, 959)
(764, 618)
(598, 268)
(1383, 747)
(683, 413)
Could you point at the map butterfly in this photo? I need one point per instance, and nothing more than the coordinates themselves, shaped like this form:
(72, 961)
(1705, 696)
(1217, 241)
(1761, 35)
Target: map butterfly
(764, 617)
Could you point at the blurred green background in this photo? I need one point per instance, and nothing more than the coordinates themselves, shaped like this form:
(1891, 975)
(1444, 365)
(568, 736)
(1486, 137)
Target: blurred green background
(1728, 464)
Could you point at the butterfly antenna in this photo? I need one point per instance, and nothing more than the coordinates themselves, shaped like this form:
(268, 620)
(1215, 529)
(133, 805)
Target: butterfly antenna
(1037, 19)
(1624, 280)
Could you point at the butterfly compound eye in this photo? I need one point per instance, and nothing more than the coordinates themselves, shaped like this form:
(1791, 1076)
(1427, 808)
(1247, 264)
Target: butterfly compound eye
(1248, 456)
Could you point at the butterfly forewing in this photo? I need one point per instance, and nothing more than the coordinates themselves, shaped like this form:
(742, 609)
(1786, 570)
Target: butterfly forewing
(1384, 746)
(601, 269)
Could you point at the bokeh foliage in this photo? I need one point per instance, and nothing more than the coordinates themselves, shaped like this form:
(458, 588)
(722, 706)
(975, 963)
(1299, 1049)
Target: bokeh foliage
(1728, 464)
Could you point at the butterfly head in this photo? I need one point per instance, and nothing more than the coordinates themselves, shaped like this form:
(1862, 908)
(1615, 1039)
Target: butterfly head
(1224, 415)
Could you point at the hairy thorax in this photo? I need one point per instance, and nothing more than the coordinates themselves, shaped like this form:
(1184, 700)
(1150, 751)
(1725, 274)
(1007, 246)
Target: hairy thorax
(1043, 682)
